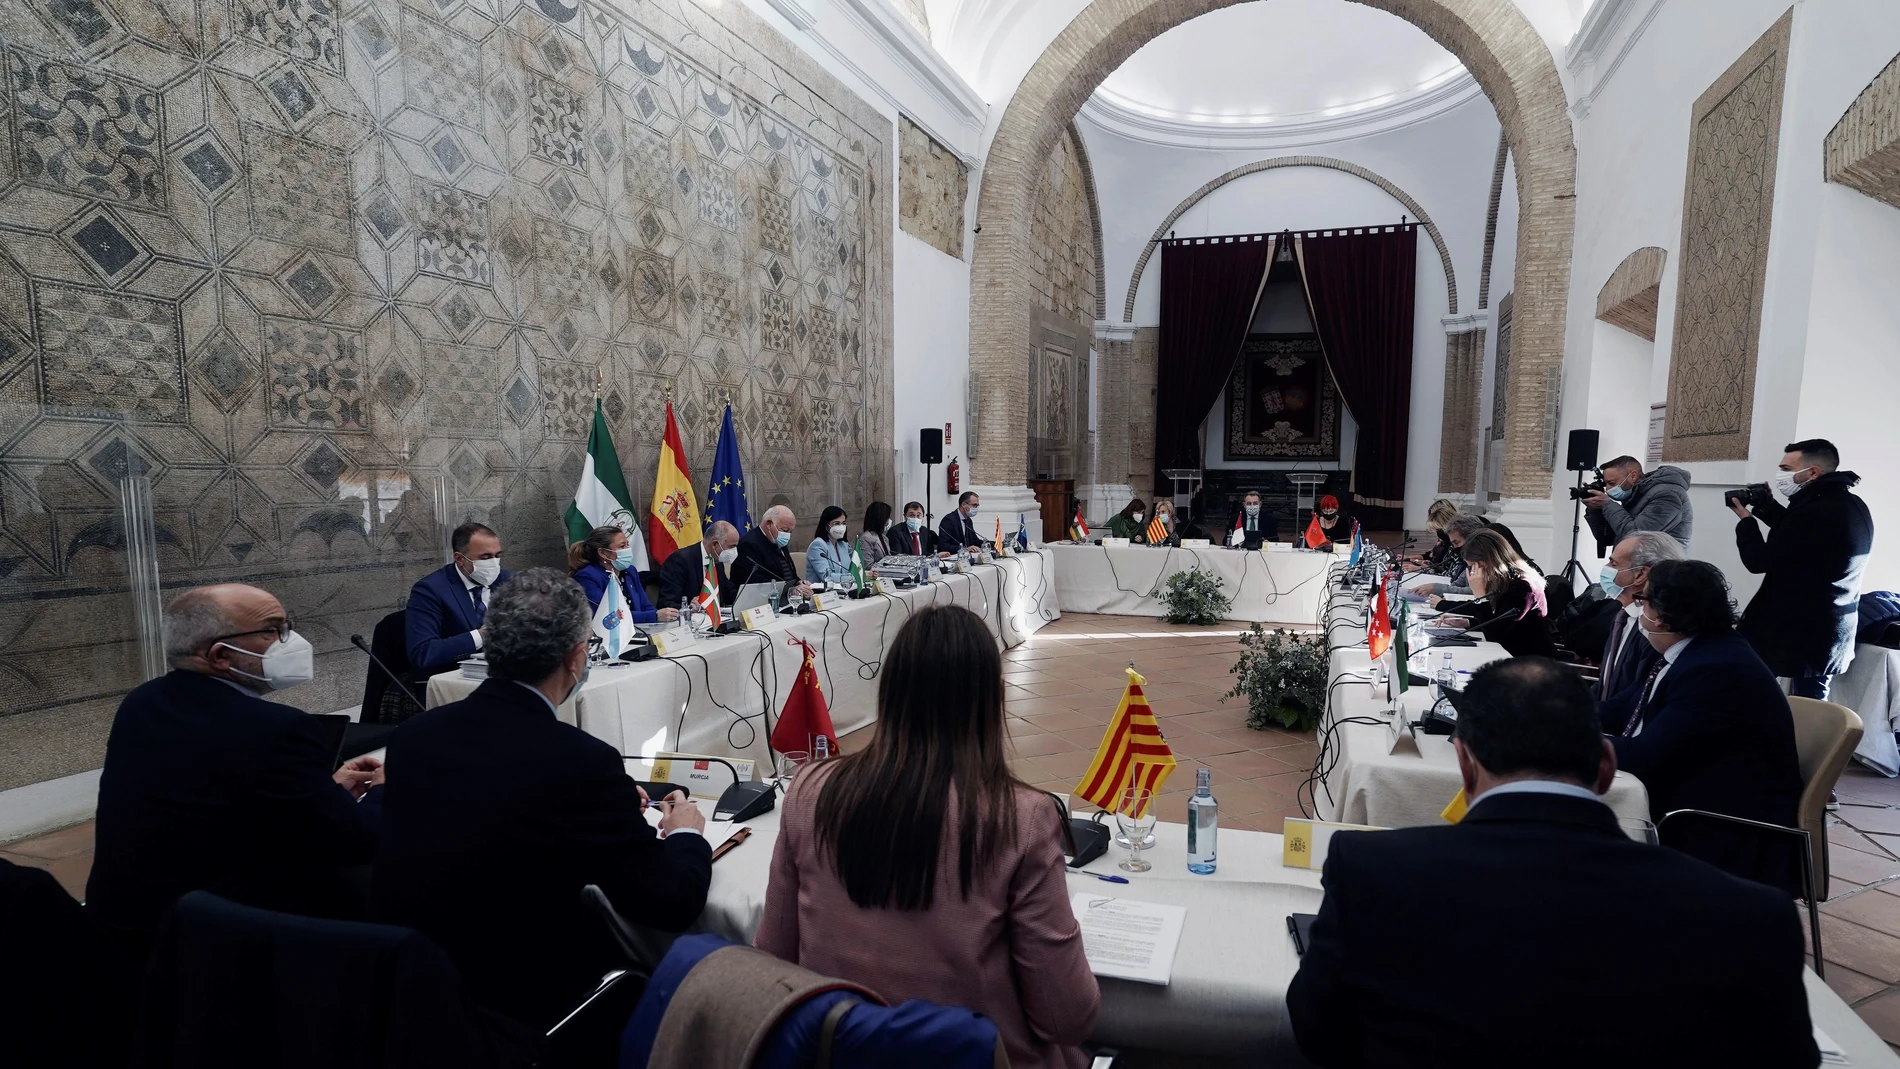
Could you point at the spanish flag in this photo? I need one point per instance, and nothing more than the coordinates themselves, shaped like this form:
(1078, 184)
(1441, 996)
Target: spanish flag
(673, 519)
(1132, 754)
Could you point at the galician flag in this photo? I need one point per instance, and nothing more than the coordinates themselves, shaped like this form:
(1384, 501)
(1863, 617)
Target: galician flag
(1132, 754)
(611, 623)
(673, 518)
(708, 598)
(857, 568)
(601, 499)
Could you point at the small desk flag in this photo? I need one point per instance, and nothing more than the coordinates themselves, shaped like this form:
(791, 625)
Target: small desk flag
(1132, 753)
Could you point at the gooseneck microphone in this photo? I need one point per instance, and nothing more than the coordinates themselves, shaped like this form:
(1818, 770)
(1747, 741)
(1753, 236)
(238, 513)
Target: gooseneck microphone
(403, 688)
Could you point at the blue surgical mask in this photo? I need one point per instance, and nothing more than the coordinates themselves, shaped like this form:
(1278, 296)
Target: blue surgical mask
(1607, 580)
(783, 538)
(623, 558)
(915, 523)
(1618, 493)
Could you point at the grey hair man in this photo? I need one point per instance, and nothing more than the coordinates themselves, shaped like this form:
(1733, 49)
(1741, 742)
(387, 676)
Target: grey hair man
(1626, 657)
(683, 573)
(764, 556)
(208, 786)
(498, 777)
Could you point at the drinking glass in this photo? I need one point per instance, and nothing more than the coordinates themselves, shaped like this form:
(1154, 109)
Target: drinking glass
(1137, 829)
(1639, 829)
(790, 762)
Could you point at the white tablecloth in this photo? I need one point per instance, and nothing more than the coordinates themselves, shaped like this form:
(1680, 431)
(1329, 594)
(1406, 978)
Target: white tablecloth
(709, 699)
(1871, 687)
(1267, 586)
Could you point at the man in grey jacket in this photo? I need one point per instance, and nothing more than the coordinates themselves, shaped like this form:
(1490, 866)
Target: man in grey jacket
(1632, 501)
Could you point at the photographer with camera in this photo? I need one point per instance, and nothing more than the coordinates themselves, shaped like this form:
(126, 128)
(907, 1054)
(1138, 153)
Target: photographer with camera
(1624, 500)
(1802, 619)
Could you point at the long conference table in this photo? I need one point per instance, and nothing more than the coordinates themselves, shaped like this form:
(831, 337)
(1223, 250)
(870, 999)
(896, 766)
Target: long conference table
(1273, 585)
(719, 697)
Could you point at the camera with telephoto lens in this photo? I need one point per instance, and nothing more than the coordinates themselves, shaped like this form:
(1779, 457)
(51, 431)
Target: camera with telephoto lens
(1751, 496)
(1594, 486)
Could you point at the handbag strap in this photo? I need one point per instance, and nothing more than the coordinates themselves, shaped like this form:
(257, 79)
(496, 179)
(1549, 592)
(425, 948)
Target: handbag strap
(827, 1032)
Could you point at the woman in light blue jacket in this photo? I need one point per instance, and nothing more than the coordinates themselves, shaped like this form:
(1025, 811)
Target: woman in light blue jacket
(828, 558)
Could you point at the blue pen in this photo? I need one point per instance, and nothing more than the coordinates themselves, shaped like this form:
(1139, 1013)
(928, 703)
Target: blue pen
(1099, 876)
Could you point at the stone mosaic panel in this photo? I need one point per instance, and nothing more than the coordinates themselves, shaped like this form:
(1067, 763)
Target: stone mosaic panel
(1727, 208)
(932, 187)
(338, 270)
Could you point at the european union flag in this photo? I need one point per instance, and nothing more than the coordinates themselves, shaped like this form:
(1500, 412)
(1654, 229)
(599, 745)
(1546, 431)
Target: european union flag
(725, 498)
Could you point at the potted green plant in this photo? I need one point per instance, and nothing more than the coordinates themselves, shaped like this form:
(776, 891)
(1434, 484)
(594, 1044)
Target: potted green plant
(1283, 677)
(1194, 597)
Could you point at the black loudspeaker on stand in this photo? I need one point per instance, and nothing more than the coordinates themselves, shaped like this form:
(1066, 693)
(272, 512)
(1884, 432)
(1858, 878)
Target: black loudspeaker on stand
(1581, 456)
(929, 451)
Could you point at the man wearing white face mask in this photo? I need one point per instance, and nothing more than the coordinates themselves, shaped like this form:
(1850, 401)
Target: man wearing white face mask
(914, 538)
(207, 786)
(684, 570)
(1802, 619)
(1626, 657)
(443, 618)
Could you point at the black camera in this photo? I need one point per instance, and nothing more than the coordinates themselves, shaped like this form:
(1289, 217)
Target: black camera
(1754, 495)
(1594, 486)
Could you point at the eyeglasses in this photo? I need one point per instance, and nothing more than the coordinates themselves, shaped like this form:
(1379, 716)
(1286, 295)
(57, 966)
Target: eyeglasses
(282, 631)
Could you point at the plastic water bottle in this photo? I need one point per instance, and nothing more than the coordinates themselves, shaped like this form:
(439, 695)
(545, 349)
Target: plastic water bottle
(821, 748)
(1203, 824)
(686, 613)
(1446, 676)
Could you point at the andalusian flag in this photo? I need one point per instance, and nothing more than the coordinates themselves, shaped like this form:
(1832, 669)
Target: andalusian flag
(1132, 754)
(601, 499)
(709, 591)
(674, 515)
(857, 568)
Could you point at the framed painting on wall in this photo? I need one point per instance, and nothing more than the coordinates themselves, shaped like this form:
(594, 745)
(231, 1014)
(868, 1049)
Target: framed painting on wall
(1281, 401)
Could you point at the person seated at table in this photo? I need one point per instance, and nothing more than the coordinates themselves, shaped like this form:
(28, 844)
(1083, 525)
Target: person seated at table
(442, 621)
(1333, 521)
(763, 557)
(923, 868)
(1436, 559)
(605, 558)
(1252, 525)
(957, 530)
(1509, 605)
(828, 557)
(1697, 967)
(505, 813)
(683, 573)
(871, 545)
(1458, 530)
(1708, 728)
(913, 537)
(1131, 522)
(208, 786)
(1162, 528)
(1627, 656)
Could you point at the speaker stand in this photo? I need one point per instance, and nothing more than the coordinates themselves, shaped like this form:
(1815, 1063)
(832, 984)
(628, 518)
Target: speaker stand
(1574, 567)
(929, 520)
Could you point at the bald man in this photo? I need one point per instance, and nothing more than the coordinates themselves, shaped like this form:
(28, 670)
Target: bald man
(684, 571)
(208, 786)
(765, 555)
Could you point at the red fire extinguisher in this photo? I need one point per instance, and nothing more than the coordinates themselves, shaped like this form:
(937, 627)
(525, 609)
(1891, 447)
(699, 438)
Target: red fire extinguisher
(952, 476)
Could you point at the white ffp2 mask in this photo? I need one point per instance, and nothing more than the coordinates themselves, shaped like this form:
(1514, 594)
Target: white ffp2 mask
(287, 663)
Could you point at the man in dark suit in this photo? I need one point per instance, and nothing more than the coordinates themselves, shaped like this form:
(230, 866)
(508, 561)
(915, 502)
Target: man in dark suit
(1252, 525)
(1803, 618)
(957, 531)
(505, 813)
(1485, 943)
(683, 572)
(913, 537)
(209, 787)
(763, 556)
(1707, 727)
(1627, 655)
(444, 615)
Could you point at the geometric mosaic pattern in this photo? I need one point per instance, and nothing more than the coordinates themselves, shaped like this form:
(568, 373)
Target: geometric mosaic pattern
(326, 272)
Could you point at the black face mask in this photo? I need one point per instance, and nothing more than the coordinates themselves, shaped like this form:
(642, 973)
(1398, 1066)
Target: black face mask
(1328, 515)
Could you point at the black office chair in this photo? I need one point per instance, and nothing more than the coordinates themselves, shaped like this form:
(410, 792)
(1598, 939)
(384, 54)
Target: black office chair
(1679, 820)
(66, 990)
(383, 703)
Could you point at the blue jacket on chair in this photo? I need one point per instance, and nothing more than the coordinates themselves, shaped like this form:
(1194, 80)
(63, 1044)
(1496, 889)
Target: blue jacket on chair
(440, 615)
(593, 579)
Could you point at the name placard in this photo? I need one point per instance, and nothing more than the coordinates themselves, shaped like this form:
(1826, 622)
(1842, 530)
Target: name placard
(1111, 542)
(701, 776)
(1306, 841)
(757, 617)
(881, 586)
(1195, 543)
(674, 640)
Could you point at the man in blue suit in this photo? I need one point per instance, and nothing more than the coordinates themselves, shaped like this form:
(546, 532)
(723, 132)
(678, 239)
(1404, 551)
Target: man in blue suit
(1708, 728)
(446, 607)
(957, 531)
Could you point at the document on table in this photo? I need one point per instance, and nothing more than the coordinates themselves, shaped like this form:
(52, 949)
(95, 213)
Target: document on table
(1129, 940)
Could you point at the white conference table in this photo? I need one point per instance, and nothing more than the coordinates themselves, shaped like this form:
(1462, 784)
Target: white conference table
(1227, 997)
(710, 699)
(1269, 586)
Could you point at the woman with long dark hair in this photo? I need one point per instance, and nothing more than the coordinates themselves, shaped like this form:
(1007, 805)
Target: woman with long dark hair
(1131, 522)
(922, 867)
(871, 539)
(1509, 595)
(828, 557)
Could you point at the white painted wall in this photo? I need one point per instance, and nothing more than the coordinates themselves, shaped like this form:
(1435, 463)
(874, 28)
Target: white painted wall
(930, 364)
(1827, 327)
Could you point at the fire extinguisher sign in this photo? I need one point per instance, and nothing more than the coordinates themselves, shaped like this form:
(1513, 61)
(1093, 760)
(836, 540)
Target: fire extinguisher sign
(946, 434)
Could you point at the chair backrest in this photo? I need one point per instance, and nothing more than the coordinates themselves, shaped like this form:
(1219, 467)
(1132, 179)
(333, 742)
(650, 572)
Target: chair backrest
(1825, 735)
(389, 642)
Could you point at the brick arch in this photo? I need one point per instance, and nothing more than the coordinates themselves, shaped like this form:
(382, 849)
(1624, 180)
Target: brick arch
(1257, 166)
(1494, 41)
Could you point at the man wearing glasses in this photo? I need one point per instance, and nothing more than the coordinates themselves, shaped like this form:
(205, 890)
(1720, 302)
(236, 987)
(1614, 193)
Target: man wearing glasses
(208, 786)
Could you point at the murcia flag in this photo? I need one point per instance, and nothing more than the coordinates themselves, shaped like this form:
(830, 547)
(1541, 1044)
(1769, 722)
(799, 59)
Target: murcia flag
(1315, 534)
(601, 499)
(805, 714)
(1132, 754)
(673, 519)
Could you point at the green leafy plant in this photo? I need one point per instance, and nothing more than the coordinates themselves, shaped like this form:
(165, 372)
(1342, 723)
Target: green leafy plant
(1283, 677)
(1194, 597)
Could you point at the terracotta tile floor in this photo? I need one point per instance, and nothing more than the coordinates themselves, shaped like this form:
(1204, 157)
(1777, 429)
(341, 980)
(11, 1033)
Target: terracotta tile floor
(1063, 685)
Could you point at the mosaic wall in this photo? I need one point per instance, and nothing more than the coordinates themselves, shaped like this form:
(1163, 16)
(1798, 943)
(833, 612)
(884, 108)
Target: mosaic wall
(1726, 215)
(932, 187)
(1062, 239)
(336, 276)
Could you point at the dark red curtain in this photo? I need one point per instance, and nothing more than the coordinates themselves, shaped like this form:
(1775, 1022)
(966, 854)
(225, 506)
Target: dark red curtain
(1360, 287)
(1208, 293)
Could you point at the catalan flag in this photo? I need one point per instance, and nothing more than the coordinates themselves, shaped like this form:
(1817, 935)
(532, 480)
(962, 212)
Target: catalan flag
(1157, 531)
(1132, 754)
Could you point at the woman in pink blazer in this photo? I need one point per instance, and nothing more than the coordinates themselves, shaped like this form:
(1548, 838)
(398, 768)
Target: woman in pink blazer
(922, 868)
